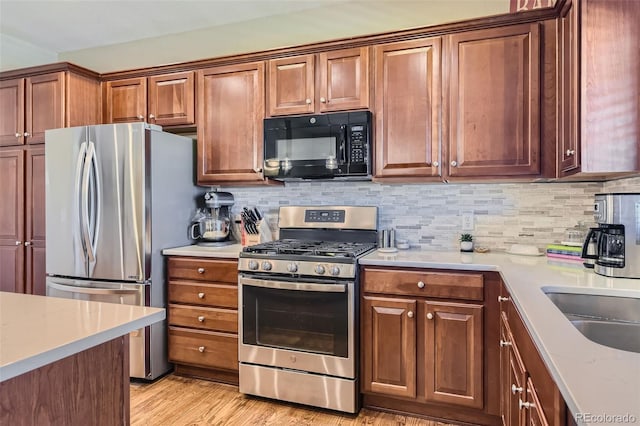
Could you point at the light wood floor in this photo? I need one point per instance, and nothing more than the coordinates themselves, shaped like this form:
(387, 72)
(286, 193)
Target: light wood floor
(175, 400)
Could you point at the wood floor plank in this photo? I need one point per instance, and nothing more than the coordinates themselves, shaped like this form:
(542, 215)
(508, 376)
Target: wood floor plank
(175, 401)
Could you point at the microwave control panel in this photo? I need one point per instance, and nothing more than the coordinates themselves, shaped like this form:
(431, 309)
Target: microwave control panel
(358, 144)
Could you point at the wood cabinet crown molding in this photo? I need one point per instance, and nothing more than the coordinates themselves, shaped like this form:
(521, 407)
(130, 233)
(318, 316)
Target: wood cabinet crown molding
(48, 68)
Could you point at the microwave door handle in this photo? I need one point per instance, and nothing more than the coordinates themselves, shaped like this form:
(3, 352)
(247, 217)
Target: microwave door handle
(343, 145)
(585, 245)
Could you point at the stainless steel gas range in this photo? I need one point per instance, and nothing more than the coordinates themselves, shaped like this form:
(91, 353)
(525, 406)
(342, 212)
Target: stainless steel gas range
(298, 322)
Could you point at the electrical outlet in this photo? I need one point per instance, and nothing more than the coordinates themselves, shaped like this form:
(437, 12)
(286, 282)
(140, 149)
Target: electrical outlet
(467, 221)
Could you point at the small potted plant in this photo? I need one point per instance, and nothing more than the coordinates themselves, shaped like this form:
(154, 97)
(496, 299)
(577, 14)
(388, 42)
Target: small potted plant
(466, 243)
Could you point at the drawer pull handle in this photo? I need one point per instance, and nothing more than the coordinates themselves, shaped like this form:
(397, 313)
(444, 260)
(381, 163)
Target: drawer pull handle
(505, 343)
(201, 318)
(410, 314)
(503, 299)
(420, 284)
(201, 270)
(429, 315)
(201, 349)
(201, 295)
(515, 389)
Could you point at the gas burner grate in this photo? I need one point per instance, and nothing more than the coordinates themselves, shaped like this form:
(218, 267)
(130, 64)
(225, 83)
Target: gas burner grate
(311, 248)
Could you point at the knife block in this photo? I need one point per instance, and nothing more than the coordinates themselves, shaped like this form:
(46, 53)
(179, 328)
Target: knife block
(263, 235)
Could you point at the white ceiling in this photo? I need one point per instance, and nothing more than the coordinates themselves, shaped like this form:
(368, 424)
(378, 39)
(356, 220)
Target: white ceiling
(68, 25)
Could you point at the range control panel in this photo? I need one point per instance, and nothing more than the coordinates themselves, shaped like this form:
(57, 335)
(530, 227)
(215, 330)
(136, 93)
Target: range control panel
(331, 216)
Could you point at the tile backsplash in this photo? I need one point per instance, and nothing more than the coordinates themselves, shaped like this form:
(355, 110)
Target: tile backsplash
(430, 215)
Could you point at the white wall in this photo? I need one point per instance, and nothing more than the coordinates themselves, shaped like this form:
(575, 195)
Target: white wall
(16, 53)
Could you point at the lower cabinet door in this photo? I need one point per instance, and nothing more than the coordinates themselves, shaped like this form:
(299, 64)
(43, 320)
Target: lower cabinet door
(453, 353)
(203, 348)
(389, 346)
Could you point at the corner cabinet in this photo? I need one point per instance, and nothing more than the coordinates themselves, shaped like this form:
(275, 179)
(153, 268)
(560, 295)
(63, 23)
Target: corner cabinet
(423, 343)
(407, 111)
(203, 317)
(230, 123)
(337, 80)
(165, 100)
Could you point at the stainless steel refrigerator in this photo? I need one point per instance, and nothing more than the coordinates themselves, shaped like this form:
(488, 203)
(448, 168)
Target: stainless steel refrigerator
(116, 195)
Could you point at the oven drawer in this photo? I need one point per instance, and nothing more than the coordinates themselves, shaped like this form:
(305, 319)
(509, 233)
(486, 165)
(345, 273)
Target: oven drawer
(196, 268)
(449, 285)
(214, 319)
(194, 293)
(203, 348)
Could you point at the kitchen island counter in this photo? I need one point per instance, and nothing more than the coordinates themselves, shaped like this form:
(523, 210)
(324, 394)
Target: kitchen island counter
(596, 381)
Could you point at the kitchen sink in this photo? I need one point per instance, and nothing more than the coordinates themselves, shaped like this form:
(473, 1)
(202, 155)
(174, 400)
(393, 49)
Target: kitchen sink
(612, 321)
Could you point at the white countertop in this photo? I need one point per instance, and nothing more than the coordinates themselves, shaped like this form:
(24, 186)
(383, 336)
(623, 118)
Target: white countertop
(225, 252)
(593, 379)
(38, 330)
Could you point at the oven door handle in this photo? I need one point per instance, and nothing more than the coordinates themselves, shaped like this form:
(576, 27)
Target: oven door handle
(299, 286)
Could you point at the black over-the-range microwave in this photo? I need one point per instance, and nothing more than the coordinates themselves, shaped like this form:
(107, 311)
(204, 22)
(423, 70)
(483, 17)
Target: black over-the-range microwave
(326, 146)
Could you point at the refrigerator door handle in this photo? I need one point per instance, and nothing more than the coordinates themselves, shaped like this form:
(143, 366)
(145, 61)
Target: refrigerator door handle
(78, 190)
(92, 290)
(96, 196)
(84, 205)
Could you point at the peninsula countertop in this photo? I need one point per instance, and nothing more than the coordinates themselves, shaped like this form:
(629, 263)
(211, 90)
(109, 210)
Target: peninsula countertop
(594, 379)
(39, 330)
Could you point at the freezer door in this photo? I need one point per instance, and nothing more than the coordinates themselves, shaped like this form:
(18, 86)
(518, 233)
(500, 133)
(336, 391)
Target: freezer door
(121, 293)
(116, 207)
(65, 154)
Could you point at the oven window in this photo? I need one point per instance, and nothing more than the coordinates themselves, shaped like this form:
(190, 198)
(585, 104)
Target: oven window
(306, 148)
(306, 321)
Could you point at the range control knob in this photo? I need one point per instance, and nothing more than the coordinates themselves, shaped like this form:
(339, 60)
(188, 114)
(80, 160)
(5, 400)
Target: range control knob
(253, 265)
(334, 270)
(266, 266)
(292, 267)
(319, 269)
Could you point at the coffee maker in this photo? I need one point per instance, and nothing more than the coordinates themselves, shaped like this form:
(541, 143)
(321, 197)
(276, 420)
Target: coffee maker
(212, 226)
(614, 245)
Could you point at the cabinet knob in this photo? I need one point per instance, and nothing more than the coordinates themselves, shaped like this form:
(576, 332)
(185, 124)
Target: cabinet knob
(201, 318)
(323, 100)
(151, 116)
(18, 134)
(454, 163)
(410, 314)
(522, 404)
(201, 349)
(570, 152)
(420, 284)
(27, 243)
(201, 295)
(515, 389)
(27, 134)
(140, 117)
(201, 270)
(429, 315)
(505, 343)
(308, 101)
(435, 164)
(503, 299)
(18, 243)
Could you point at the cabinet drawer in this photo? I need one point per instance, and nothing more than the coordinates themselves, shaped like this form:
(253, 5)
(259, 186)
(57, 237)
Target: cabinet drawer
(195, 293)
(436, 284)
(214, 319)
(203, 348)
(197, 268)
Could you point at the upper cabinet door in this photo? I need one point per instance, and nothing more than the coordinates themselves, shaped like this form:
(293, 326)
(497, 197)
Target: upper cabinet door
(344, 79)
(291, 85)
(172, 99)
(45, 105)
(12, 112)
(230, 122)
(125, 100)
(407, 108)
(494, 102)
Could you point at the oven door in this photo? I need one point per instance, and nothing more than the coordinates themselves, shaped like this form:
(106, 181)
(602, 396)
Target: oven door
(313, 152)
(288, 323)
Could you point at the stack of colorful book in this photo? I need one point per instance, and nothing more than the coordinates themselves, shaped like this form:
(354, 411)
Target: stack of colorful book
(562, 251)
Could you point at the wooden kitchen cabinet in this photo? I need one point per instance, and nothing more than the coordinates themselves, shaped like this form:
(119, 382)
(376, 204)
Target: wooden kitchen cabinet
(230, 117)
(336, 80)
(166, 100)
(203, 317)
(598, 90)
(407, 111)
(22, 224)
(529, 396)
(493, 104)
(423, 335)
